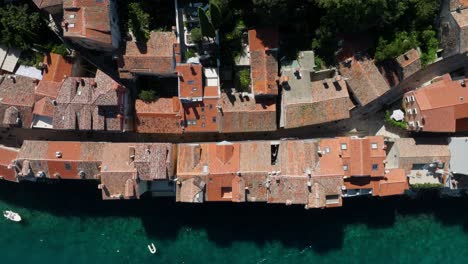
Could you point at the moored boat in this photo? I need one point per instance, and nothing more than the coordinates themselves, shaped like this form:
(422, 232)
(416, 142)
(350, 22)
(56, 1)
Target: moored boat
(152, 248)
(10, 215)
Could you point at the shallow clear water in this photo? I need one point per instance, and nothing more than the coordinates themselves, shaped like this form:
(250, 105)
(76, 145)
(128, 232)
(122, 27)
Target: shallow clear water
(67, 223)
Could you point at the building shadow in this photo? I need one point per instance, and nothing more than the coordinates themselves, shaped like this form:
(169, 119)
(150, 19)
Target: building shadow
(226, 223)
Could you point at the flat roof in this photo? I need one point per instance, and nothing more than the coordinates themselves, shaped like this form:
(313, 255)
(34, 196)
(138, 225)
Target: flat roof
(459, 151)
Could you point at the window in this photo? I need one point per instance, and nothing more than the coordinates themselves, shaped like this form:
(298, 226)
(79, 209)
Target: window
(344, 146)
(375, 166)
(71, 16)
(345, 167)
(68, 166)
(194, 88)
(203, 124)
(374, 146)
(332, 199)
(203, 109)
(191, 82)
(189, 122)
(274, 149)
(71, 25)
(214, 119)
(194, 122)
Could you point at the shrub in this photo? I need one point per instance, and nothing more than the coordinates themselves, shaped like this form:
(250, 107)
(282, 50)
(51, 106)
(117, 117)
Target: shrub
(429, 46)
(60, 49)
(196, 35)
(243, 80)
(402, 42)
(189, 54)
(392, 122)
(427, 186)
(148, 95)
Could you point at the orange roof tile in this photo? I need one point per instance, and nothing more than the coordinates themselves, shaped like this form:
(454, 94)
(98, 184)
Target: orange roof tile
(247, 114)
(440, 113)
(90, 19)
(7, 156)
(160, 116)
(201, 116)
(263, 62)
(190, 81)
(58, 68)
(156, 56)
(44, 107)
(394, 183)
(48, 88)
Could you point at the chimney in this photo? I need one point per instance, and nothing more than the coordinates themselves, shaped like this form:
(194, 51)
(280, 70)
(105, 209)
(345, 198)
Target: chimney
(93, 84)
(462, 83)
(58, 155)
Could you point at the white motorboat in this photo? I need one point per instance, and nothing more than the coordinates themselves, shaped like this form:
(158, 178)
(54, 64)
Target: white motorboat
(10, 215)
(152, 248)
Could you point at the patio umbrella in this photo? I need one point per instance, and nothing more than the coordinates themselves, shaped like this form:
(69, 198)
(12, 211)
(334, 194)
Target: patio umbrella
(398, 115)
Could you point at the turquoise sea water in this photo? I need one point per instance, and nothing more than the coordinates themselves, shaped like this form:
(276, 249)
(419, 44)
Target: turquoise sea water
(68, 223)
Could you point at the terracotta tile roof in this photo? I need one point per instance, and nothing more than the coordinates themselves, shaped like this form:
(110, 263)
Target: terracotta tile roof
(361, 157)
(201, 116)
(44, 107)
(90, 20)
(321, 102)
(90, 104)
(250, 187)
(156, 57)
(7, 156)
(77, 160)
(16, 100)
(48, 88)
(410, 62)
(439, 113)
(190, 81)
(394, 183)
(261, 150)
(297, 157)
(219, 188)
(288, 190)
(160, 116)
(246, 114)
(119, 185)
(155, 161)
(57, 69)
(408, 148)
(454, 4)
(47, 3)
(364, 79)
(263, 62)
(191, 190)
(322, 187)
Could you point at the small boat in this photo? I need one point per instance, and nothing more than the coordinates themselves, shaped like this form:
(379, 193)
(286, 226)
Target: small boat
(10, 215)
(152, 248)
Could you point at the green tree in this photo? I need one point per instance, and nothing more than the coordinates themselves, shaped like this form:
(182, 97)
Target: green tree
(215, 15)
(244, 80)
(138, 22)
(207, 28)
(429, 46)
(196, 34)
(402, 42)
(148, 95)
(19, 26)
